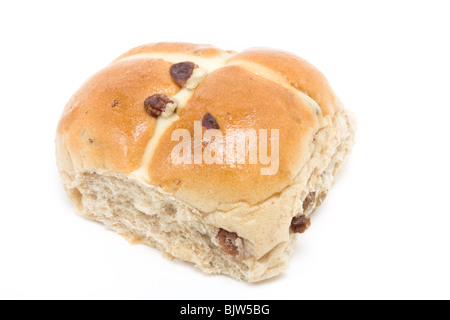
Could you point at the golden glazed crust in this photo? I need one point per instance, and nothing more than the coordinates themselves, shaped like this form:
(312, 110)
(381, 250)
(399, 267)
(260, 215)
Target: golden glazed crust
(239, 100)
(204, 50)
(297, 72)
(105, 126)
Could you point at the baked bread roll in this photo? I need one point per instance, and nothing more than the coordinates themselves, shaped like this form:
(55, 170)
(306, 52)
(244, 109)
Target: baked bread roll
(125, 158)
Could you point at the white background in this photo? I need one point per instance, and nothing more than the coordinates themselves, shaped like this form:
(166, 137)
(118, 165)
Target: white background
(384, 230)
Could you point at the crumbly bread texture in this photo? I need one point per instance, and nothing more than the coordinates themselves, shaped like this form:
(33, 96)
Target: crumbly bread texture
(115, 162)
